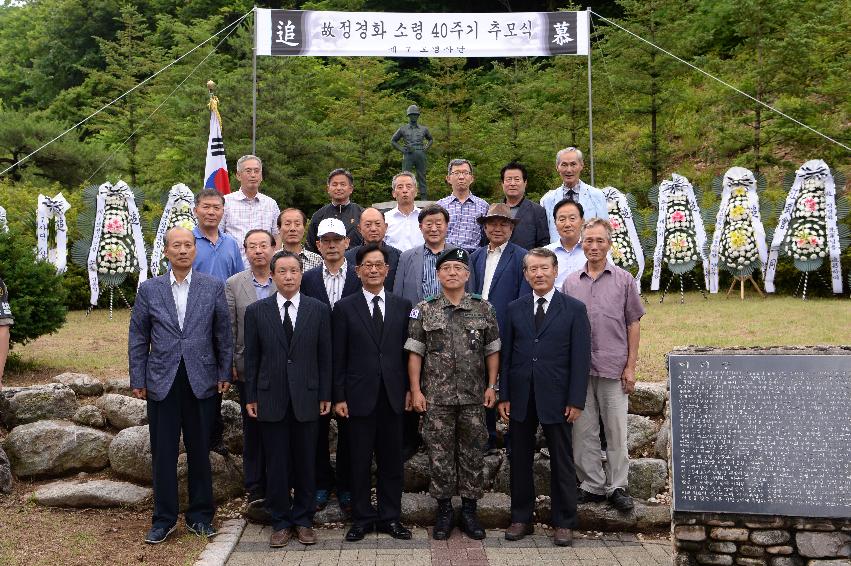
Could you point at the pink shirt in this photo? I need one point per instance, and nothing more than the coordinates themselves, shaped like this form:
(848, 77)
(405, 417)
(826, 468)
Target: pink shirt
(613, 304)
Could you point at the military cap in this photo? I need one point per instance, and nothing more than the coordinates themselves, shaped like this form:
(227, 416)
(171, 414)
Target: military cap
(413, 109)
(455, 254)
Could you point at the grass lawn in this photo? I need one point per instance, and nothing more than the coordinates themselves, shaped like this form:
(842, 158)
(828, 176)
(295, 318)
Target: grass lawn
(98, 346)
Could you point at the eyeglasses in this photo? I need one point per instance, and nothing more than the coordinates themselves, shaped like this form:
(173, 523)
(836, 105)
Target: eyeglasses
(461, 174)
(264, 246)
(369, 266)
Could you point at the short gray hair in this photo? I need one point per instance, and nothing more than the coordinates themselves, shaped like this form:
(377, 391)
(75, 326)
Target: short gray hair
(541, 252)
(458, 162)
(403, 174)
(568, 150)
(245, 158)
(593, 222)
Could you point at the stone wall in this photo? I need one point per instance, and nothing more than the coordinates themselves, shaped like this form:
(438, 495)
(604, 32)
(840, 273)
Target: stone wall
(760, 540)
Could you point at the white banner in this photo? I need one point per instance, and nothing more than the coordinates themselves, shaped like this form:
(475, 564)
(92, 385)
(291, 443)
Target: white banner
(55, 208)
(395, 34)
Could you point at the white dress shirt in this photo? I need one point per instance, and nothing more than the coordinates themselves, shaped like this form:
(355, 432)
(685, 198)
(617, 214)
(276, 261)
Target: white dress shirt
(334, 282)
(568, 260)
(180, 292)
(548, 299)
(371, 306)
(403, 230)
(491, 261)
(293, 308)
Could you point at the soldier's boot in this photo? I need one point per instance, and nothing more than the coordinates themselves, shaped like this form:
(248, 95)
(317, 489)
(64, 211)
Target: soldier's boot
(443, 523)
(469, 520)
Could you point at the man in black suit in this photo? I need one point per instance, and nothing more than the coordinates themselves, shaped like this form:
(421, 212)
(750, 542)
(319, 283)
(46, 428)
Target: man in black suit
(546, 357)
(532, 229)
(288, 386)
(372, 229)
(330, 282)
(371, 391)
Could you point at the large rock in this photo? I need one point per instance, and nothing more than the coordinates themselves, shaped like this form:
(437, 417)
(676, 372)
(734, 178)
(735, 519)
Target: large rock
(823, 545)
(122, 411)
(89, 415)
(647, 477)
(662, 447)
(648, 399)
(641, 434)
(491, 467)
(227, 477)
(96, 493)
(418, 509)
(494, 510)
(541, 474)
(232, 420)
(502, 481)
(130, 454)
(330, 514)
(53, 448)
(5, 473)
(119, 386)
(81, 383)
(417, 473)
(602, 517)
(21, 405)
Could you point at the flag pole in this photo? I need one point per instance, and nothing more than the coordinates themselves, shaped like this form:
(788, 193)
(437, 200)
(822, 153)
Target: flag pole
(254, 89)
(590, 102)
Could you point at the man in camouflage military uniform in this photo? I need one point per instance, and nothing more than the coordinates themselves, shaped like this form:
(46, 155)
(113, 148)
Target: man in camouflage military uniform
(6, 322)
(454, 344)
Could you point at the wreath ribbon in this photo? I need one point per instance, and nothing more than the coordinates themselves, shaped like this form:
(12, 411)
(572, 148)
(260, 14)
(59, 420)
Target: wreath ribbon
(612, 194)
(52, 209)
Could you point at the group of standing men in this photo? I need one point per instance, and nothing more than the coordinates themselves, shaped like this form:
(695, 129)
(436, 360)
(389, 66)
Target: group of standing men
(449, 312)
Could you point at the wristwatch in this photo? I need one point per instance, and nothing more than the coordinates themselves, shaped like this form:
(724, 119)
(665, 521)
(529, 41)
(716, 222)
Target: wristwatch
(495, 387)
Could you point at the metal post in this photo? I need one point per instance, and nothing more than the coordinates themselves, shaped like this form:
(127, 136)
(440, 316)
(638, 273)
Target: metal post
(254, 89)
(590, 103)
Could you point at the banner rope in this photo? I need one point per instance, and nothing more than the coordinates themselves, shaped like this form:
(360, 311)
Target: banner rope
(723, 82)
(107, 105)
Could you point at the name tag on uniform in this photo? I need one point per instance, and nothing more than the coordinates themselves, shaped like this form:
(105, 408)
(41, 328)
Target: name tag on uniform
(415, 313)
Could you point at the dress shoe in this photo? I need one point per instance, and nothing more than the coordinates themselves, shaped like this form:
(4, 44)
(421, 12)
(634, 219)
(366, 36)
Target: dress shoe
(305, 535)
(470, 520)
(202, 530)
(517, 531)
(279, 539)
(158, 534)
(395, 529)
(255, 495)
(443, 522)
(563, 537)
(583, 496)
(357, 532)
(620, 500)
(321, 499)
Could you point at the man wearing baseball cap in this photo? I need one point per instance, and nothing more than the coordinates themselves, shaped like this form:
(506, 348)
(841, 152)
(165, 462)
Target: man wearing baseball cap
(329, 283)
(454, 345)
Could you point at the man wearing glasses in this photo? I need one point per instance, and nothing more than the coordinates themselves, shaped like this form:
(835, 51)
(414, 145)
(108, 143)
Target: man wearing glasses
(463, 206)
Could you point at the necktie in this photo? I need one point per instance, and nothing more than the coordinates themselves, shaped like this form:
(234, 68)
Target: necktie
(571, 195)
(539, 314)
(377, 319)
(288, 322)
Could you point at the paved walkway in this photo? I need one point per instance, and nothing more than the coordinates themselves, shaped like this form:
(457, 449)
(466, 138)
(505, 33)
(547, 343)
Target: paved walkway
(589, 549)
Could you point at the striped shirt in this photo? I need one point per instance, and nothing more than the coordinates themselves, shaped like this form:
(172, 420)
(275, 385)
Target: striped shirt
(334, 282)
(431, 286)
(464, 232)
(243, 214)
(309, 259)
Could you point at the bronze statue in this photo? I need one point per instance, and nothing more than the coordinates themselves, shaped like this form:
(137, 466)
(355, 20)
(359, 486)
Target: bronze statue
(417, 140)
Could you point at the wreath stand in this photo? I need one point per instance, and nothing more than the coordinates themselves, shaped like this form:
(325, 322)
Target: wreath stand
(680, 276)
(112, 289)
(803, 280)
(741, 281)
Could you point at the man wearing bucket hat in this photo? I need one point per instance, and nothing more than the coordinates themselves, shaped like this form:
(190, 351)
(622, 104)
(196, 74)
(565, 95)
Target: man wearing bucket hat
(496, 273)
(454, 343)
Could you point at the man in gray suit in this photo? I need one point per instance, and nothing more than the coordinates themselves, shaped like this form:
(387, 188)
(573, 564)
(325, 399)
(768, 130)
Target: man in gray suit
(416, 279)
(181, 356)
(241, 290)
(288, 385)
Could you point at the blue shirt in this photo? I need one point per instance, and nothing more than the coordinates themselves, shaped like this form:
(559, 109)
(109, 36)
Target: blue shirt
(464, 231)
(431, 286)
(592, 199)
(261, 289)
(219, 260)
(568, 260)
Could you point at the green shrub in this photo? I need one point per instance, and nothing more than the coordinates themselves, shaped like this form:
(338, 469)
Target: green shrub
(36, 294)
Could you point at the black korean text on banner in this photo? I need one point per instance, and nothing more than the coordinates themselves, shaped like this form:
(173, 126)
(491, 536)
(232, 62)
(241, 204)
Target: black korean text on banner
(393, 34)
